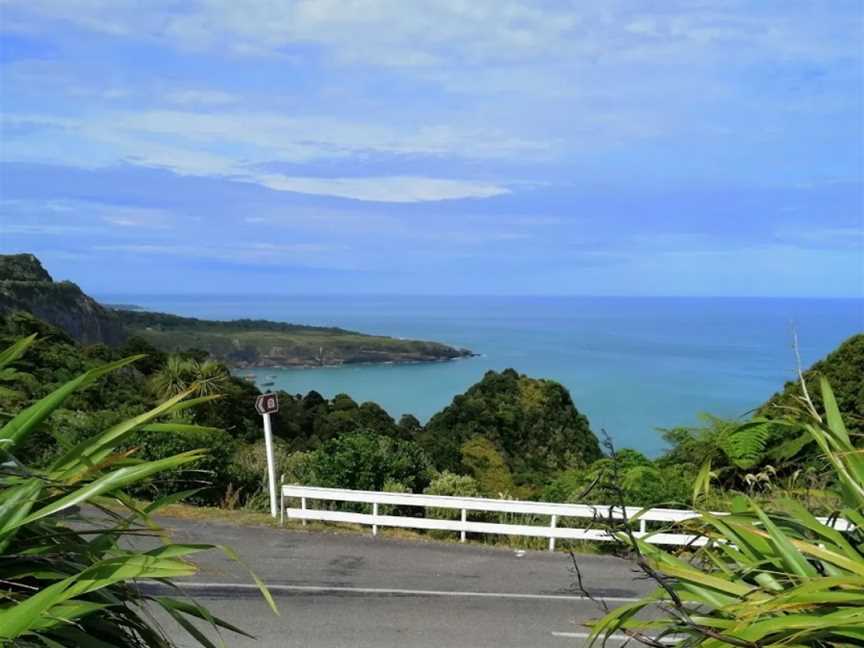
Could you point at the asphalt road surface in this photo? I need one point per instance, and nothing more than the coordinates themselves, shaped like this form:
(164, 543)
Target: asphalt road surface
(359, 591)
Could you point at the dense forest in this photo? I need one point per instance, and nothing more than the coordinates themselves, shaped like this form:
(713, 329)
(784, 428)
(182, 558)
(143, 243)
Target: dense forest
(508, 435)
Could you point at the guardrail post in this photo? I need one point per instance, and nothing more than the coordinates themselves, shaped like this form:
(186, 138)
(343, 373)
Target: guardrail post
(303, 507)
(374, 515)
(552, 525)
(643, 526)
(464, 520)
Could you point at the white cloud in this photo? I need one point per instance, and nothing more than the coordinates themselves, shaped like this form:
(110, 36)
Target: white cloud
(257, 138)
(304, 138)
(37, 216)
(201, 97)
(181, 142)
(824, 237)
(397, 189)
(308, 254)
(433, 32)
(43, 229)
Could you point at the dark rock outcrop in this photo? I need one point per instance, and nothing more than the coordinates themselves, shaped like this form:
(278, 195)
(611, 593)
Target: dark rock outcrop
(26, 286)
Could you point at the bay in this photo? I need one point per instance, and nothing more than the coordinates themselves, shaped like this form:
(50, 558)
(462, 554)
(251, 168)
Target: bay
(632, 365)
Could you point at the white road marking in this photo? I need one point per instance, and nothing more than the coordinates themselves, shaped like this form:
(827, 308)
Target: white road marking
(615, 636)
(374, 590)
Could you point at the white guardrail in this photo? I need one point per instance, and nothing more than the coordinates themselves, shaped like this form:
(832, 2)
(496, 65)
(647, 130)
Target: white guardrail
(651, 522)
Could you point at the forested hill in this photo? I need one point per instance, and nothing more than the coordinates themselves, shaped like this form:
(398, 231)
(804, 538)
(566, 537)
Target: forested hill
(26, 286)
(844, 369)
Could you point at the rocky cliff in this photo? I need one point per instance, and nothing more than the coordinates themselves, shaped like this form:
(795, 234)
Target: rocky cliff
(26, 286)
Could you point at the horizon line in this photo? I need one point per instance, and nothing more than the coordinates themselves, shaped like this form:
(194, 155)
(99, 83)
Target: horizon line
(324, 295)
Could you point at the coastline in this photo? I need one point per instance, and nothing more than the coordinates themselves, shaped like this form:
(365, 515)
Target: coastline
(363, 363)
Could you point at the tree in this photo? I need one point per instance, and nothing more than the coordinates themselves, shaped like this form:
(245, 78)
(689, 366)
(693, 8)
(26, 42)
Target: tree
(409, 427)
(179, 374)
(173, 378)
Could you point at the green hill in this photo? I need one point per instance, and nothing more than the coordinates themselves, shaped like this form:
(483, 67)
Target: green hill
(844, 369)
(531, 422)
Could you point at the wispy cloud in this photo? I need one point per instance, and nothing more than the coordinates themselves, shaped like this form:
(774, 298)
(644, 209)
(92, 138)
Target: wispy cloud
(395, 33)
(69, 215)
(308, 254)
(182, 142)
(201, 97)
(397, 189)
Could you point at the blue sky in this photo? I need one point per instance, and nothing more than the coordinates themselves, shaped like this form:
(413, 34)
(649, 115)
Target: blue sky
(440, 146)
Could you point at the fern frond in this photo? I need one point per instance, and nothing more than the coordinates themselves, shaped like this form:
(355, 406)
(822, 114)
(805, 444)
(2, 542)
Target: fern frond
(745, 445)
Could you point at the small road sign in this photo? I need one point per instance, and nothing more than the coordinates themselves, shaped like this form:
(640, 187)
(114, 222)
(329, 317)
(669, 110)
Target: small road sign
(267, 404)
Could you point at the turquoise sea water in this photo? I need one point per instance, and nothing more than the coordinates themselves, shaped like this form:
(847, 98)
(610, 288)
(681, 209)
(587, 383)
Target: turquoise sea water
(631, 364)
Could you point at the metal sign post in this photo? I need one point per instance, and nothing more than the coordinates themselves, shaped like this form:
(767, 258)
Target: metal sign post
(268, 404)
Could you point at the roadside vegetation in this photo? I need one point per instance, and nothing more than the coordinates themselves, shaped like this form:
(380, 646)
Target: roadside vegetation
(764, 577)
(68, 573)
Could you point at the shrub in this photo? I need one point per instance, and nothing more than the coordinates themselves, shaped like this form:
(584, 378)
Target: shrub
(210, 475)
(388, 509)
(299, 468)
(366, 461)
(630, 475)
(247, 468)
(450, 484)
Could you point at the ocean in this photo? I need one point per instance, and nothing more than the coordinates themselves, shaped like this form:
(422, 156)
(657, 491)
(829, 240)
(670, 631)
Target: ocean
(632, 365)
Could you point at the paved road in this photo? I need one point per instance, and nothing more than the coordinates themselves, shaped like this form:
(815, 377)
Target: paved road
(353, 590)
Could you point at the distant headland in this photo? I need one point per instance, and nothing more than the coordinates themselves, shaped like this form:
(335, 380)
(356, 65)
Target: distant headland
(26, 286)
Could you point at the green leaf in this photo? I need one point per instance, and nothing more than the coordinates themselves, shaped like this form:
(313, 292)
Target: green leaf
(16, 429)
(194, 609)
(702, 485)
(832, 412)
(93, 450)
(791, 557)
(11, 353)
(112, 481)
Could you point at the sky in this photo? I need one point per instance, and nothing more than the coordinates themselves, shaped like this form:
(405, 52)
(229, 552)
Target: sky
(436, 146)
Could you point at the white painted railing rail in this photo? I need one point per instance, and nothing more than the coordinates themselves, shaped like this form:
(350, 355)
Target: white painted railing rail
(648, 521)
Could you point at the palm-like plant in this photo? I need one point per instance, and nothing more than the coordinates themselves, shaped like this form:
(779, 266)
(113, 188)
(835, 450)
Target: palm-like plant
(209, 377)
(762, 579)
(180, 374)
(75, 584)
(172, 378)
